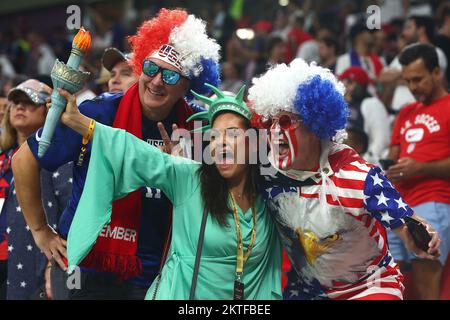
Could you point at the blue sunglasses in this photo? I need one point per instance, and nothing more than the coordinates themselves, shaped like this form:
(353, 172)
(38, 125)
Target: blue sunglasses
(151, 69)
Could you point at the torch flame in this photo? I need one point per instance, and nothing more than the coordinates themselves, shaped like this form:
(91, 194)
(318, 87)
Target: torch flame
(82, 40)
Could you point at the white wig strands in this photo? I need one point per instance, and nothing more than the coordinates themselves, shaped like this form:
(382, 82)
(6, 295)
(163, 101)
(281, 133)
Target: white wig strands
(277, 89)
(193, 44)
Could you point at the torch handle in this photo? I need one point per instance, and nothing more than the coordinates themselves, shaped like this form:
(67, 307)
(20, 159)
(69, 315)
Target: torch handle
(52, 119)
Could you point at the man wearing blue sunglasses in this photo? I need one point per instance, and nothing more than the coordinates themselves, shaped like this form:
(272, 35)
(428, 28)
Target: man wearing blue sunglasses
(161, 84)
(171, 54)
(151, 69)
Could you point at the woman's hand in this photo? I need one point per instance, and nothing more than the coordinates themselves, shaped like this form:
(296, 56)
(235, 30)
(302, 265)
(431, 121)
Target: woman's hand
(51, 244)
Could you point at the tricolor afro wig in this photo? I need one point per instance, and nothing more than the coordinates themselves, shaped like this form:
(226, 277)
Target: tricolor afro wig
(310, 91)
(187, 34)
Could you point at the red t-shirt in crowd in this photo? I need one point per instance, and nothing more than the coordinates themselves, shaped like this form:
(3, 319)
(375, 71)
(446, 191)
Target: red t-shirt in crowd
(423, 133)
(297, 36)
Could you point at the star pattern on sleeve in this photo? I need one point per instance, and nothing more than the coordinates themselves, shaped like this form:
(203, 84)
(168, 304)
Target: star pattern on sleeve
(383, 201)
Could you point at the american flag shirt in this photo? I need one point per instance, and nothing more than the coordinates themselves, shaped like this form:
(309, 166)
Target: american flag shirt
(26, 262)
(333, 225)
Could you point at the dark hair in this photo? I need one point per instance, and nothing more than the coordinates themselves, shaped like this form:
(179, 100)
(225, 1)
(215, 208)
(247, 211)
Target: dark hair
(358, 28)
(427, 23)
(360, 136)
(214, 188)
(423, 51)
(330, 42)
(442, 13)
(271, 43)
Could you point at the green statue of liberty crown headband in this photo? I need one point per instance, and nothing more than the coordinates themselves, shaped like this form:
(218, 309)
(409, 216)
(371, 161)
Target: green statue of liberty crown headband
(221, 102)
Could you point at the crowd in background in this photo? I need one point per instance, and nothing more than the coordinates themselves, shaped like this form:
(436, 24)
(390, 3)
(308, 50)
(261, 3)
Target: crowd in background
(253, 36)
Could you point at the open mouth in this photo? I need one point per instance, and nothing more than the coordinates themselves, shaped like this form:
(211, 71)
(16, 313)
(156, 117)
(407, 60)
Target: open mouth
(224, 157)
(281, 148)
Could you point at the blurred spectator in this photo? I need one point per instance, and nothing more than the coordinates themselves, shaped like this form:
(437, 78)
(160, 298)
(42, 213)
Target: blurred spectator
(309, 50)
(41, 57)
(104, 19)
(360, 55)
(274, 53)
(392, 46)
(218, 23)
(357, 139)
(443, 36)
(395, 93)
(281, 27)
(17, 49)
(257, 56)
(296, 36)
(422, 29)
(24, 115)
(379, 41)
(240, 52)
(228, 31)
(61, 44)
(6, 67)
(26, 263)
(3, 103)
(12, 82)
(367, 113)
(231, 80)
(122, 75)
(102, 80)
(328, 49)
(420, 148)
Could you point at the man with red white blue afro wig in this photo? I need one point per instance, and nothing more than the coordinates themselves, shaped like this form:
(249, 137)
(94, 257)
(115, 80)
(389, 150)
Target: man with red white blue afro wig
(301, 92)
(331, 206)
(180, 40)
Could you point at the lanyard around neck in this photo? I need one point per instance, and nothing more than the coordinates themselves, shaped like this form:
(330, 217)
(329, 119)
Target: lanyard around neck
(241, 257)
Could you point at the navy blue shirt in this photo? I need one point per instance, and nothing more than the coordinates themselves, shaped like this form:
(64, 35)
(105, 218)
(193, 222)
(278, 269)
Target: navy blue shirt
(65, 147)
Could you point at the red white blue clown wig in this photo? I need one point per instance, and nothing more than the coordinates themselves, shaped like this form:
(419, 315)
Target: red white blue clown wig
(310, 91)
(180, 40)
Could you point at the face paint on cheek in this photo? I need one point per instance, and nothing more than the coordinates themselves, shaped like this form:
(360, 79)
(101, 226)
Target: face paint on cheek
(293, 148)
(274, 135)
(283, 161)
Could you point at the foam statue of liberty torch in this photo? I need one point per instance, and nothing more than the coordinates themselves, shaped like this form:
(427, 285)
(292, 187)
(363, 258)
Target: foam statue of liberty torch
(67, 77)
